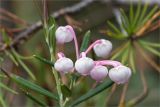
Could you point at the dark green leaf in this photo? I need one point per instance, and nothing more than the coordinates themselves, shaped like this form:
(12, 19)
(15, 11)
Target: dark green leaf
(116, 36)
(114, 28)
(143, 13)
(18, 59)
(125, 55)
(137, 15)
(132, 59)
(152, 50)
(156, 45)
(30, 85)
(51, 35)
(92, 92)
(7, 88)
(125, 19)
(120, 51)
(36, 100)
(85, 42)
(2, 102)
(5, 37)
(11, 57)
(66, 91)
(148, 16)
(44, 60)
(131, 13)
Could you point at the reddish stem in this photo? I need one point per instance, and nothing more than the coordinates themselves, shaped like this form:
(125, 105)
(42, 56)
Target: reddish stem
(108, 62)
(92, 45)
(75, 40)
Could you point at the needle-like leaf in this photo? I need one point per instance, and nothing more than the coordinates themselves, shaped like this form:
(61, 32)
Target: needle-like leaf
(92, 92)
(44, 60)
(132, 59)
(30, 85)
(85, 42)
(36, 100)
(7, 88)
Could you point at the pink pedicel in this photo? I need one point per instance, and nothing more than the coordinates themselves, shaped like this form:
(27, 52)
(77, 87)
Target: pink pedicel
(75, 40)
(92, 45)
(108, 62)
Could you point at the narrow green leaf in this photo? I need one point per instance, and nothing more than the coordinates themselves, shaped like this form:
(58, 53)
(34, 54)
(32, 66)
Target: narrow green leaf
(132, 59)
(30, 85)
(66, 91)
(116, 36)
(11, 57)
(156, 45)
(51, 34)
(152, 50)
(85, 42)
(44, 60)
(2, 76)
(93, 92)
(148, 16)
(143, 13)
(26, 69)
(125, 55)
(125, 18)
(2, 102)
(131, 13)
(36, 100)
(124, 26)
(114, 27)
(16, 55)
(5, 37)
(137, 15)
(7, 88)
(120, 52)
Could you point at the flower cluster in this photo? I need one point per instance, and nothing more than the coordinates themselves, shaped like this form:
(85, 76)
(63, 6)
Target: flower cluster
(86, 66)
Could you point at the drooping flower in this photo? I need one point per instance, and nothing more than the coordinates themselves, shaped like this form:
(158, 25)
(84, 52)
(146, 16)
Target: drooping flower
(103, 48)
(98, 73)
(84, 65)
(63, 64)
(120, 74)
(64, 34)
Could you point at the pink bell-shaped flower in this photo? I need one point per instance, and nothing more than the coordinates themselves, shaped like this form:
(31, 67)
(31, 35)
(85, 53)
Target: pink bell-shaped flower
(64, 34)
(103, 48)
(120, 74)
(63, 65)
(84, 65)
(98, 73)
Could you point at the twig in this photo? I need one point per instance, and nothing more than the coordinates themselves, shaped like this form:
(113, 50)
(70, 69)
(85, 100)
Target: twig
(14, 18)
(111, 93)
(147, 58)
(147, 24)
(122, 99)
(38, 25)
(143, 95)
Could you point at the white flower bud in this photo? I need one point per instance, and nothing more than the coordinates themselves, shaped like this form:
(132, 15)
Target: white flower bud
(103, 49)
(120, 74)
(63, 65)
(64, 34)
(84, 65)
(99, 72)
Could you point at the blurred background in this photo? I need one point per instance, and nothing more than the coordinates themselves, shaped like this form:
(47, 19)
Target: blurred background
(92, 16)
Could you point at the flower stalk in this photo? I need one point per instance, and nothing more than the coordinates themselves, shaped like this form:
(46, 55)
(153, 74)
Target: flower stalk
(58, 83)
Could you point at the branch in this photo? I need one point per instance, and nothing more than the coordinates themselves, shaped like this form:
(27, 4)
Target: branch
(141, 96)
(38, 25)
